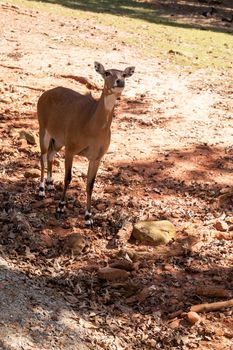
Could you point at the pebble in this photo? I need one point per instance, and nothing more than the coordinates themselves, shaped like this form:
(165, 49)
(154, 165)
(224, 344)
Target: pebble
(32, 173)
(75, 243)
(112, 274)
(193, 317)
(221, 226)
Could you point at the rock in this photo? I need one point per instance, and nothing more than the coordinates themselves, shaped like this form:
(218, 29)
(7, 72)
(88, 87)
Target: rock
(6, 150)
(112, 274)
(75, 243)
(175, 324)
(221, 225)
(154, 232)
(145, 293)
(32, 173)
(46, 238)
(193, 317)
(56, 162)
(228, 236)
(23, 145)
(43, 203)
(6, 100)
(124, 233)
(29, 136)
(101, 206)
(123, 264)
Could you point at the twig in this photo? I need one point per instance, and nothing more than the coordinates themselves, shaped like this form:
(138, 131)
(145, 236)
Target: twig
(30, 87)
(10, 67)
(213, 291)
(212, 306)
(82, 80)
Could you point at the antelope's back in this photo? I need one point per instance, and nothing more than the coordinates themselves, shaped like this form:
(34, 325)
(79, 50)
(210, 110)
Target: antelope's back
(61, 107)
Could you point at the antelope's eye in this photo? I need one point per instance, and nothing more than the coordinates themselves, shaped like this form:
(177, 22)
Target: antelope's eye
(124, 75)
(107, 74)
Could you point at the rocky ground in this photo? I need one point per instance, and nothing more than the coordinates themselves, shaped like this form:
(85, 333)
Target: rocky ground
(170, 158)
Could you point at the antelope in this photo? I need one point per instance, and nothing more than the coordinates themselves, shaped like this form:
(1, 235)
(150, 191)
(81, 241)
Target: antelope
(82, 125)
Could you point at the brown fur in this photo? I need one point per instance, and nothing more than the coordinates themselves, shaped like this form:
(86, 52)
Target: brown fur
(80, 123)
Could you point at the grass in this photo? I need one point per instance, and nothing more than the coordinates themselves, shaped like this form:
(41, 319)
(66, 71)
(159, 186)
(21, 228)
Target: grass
(149, 31)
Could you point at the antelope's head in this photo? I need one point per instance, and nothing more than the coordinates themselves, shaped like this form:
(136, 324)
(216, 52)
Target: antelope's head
(114, 79)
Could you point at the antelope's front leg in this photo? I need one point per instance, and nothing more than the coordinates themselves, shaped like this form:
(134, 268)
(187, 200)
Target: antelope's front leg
(91, 175)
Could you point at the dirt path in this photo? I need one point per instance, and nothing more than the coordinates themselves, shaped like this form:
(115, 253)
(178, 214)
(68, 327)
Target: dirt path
(170, 157)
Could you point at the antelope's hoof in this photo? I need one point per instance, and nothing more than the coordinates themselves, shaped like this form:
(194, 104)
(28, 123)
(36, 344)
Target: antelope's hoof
(60, 210)
(58, 215)
(88, 219)
(41, 193)
(50, 186)
(89, 223)
(40, 196)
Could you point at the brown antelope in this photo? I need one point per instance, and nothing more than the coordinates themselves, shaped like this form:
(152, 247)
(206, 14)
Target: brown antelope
(81, 124)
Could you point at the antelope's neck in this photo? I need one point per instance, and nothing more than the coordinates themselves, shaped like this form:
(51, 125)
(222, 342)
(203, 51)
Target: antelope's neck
(104, 110)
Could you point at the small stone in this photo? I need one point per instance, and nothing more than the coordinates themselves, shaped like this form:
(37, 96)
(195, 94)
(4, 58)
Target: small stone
(112, 274)
(23, 145)
(221, 226)
(75, 243)
(193, 317)
(46, 238)
(125, 232)
(101, 206)
(7, 150)
(32, 173)
(154, 232)
(175, 324)
(43, 203)
(6, 100)
(109, 189)
(56, 162)
(29, 136)
(123, 264)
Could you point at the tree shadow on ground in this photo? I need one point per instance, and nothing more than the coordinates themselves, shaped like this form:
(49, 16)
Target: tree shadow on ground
(168, 12)
(37, 294)
(195, 170)
(72, 283)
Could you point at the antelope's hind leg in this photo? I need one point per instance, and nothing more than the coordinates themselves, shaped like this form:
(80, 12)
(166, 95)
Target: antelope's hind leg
(44, 145)
(54, 147)
(68, 176)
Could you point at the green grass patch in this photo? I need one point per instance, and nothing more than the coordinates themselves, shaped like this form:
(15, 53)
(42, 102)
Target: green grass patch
(149, 31)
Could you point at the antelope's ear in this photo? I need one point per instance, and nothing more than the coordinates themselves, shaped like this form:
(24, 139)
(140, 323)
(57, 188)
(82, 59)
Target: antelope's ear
(99, 68)
(128, 72)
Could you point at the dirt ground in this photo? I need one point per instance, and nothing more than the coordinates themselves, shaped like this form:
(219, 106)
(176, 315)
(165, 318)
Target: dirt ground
(171, 157)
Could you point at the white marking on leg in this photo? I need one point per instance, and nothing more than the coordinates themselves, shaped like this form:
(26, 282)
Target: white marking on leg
(50, 184)
(49, 179)
(50, 187)
(61, 207)
(42, 189)
(89, 222)
(88, 218)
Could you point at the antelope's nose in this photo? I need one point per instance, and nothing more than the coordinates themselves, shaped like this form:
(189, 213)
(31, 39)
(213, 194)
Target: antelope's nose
(120, 83)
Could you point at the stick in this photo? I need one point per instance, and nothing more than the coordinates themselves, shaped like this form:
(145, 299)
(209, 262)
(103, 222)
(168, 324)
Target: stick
(30, 87)
(82, 80)
(10, 67)
(212, 306)
(213, 291)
